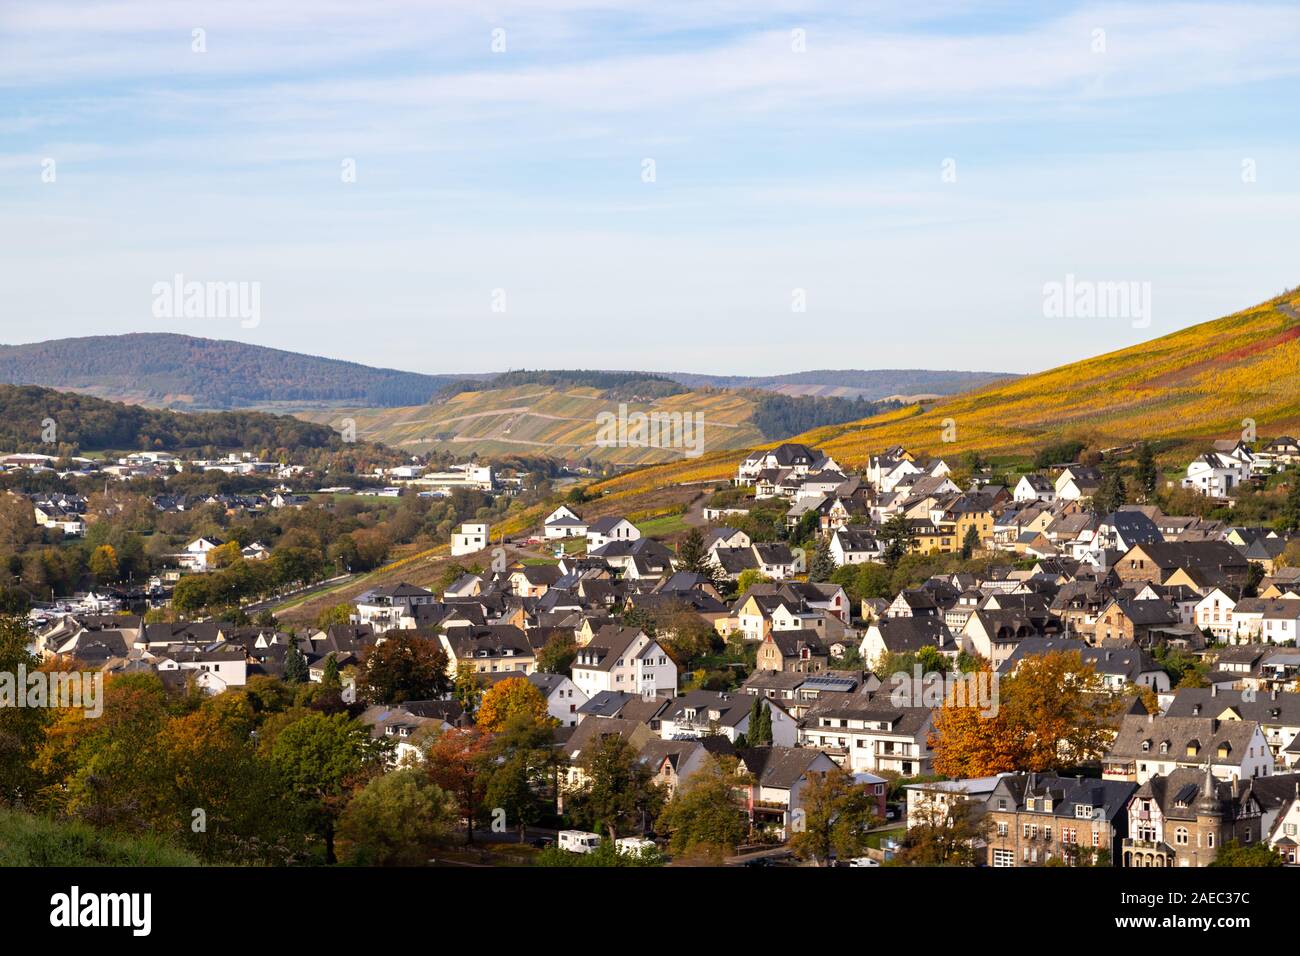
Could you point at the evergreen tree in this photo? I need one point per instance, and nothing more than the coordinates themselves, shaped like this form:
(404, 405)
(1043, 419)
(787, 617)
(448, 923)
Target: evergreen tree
(691, 555)
(823, 564)
(970, 542)
(330, 677)
(1111, 496)
(897, 536)
(1290, 518)
(295, 666)
(760, 728)
(1146, 469)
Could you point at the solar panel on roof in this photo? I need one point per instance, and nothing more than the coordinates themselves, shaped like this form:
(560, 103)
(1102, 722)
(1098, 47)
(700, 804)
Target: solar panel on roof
(830, 683)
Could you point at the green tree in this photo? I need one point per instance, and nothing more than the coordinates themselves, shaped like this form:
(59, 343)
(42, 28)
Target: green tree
(837, 816)
(704, 819)
(944, 834)
(1146, 474)
(617, 794)
(822, 565)
(295, 665)
(557, 654)
(1112, 495)
(21, 728)
(397, 819)
(1233, 853)
(318, 757)
(897, 535)
(1290, 516)
(969, 542)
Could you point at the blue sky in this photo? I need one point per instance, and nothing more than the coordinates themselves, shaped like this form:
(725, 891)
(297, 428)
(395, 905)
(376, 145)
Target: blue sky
(796, 145)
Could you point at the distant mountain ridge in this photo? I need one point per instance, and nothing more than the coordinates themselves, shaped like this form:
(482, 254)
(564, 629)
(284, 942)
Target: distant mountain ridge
(166, 370)
(871, 384)
(189, 373)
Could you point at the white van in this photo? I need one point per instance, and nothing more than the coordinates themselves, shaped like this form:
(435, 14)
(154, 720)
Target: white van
(578, 841)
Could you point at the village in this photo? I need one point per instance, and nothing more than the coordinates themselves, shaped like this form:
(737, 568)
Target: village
(798, 643)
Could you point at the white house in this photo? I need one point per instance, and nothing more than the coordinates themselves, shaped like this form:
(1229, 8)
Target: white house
(564, 522)
(855, 546)
(704, 713)
(1034, 488)
(1214, 612)
(472, 537)
(1265, 619)
(624, 659)
(1216, 474)
(604, 530)
(195, 555)
(563, 696)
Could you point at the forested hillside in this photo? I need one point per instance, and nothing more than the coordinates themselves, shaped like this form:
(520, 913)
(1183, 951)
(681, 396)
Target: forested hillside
(181, 371)
(29, 415)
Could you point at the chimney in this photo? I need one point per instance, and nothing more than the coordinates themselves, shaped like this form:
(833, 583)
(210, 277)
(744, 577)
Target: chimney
(1214, 690)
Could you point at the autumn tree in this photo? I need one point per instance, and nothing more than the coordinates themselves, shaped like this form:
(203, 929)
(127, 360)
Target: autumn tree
(460, 761)
(403, 667)
(103, 564)
(1052, 714)
(508, 698)
(336, 614)
(837, 814)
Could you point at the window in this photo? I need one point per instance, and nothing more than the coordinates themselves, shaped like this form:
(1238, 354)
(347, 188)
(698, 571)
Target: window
(1180, 836)
(1004, 858)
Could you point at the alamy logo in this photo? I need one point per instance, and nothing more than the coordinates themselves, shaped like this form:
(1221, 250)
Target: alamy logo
(180, 299)
(69, 689)
(679, 430)
(73, 909)
(1085, 299)
(977, 690)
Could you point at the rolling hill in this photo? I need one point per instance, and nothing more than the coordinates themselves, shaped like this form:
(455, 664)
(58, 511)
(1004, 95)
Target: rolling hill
(873, 384)
(164, 370)
(1192, 385)
(562, 422)
(29, 414)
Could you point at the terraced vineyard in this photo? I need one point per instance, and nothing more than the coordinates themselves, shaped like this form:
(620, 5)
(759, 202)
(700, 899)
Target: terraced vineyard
(562, 422)
(1192, 385)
